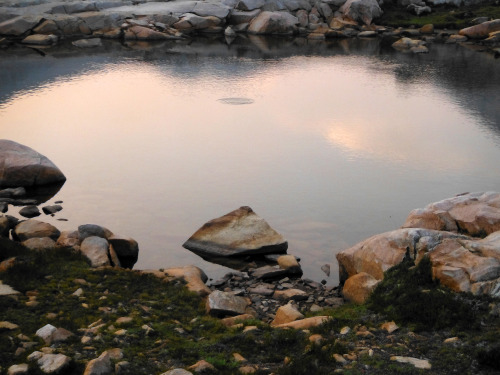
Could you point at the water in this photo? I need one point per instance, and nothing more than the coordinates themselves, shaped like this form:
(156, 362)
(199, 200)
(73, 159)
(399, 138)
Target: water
(330, 143)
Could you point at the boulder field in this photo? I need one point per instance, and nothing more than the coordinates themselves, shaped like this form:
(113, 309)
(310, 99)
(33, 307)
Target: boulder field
(45, 23)
(460, 235)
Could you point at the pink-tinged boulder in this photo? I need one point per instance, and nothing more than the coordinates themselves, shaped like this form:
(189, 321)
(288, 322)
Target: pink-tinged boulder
(377, 254)
(358, 288)
(361, 10)
(482, 30)
(476, 214)
(194, 277)
(462, 263)
(240, 232)
(23, 166)
(282, 23)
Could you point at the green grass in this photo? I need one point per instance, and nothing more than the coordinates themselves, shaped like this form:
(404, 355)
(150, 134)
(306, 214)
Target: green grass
(441, 17)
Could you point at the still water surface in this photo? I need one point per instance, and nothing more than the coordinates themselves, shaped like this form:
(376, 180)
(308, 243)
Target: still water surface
(330, 144)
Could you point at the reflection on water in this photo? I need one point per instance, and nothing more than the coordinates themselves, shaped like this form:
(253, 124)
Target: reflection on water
(340, 142)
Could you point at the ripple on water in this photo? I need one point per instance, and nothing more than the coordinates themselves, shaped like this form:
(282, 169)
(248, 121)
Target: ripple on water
(236, 101)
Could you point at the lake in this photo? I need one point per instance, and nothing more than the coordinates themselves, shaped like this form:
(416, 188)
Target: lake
(329, 142)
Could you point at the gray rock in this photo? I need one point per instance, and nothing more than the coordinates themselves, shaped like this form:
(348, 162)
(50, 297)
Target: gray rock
(50, 210)
(204, 9)
(29, 211)
(268, 272)
(225, 303)
(263, 291)
(240, 232)
(99, 366)
(361, 10)
(250, 4)
(274, 5)
(40, 244)
(87, 43)
(34, 228)
(303, 17)
(326, 269)
(281, 23)
(18, 26)
(238, 17)
(13, 192)
(294, 5)
(23, 166)
(419, 10)
(40, 39)
(89, 230)
(96, 250)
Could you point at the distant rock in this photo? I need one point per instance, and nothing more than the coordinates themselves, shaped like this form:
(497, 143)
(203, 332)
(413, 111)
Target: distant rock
(476, 214)
(482, 30)
(240, 232)
(87, 43)
(282, 23)
(35, 229)
(364, 11)
(225, 303)
(406, 44)
(40, 39)
(23, 166)
(19, 26)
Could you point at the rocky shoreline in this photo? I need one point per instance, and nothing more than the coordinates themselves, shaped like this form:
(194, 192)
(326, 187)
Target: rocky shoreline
(457, 237)
(42, 24)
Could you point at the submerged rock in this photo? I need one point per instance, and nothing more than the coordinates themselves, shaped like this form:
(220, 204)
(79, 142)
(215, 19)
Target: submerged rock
(240, 232)
(23, 166)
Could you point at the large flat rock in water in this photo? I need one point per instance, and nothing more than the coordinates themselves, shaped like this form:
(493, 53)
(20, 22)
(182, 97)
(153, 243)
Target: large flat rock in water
(23, 166)
(240, 232)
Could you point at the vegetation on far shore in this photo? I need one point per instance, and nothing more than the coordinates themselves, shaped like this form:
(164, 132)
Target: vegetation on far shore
(180, 333)
(444, 16)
